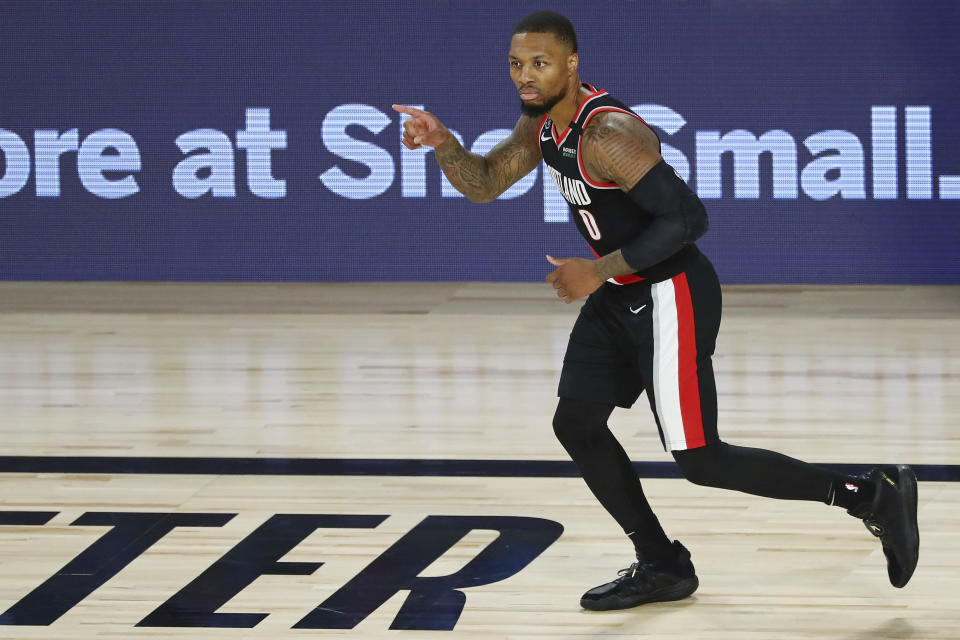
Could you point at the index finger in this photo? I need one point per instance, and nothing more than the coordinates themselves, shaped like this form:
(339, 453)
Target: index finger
(410, 111)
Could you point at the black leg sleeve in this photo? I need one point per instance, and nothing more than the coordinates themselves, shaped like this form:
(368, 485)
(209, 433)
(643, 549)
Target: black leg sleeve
(756, 471)
(582, 429)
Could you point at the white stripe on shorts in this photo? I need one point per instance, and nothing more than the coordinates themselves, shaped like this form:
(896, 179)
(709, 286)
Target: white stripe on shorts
(666, 360)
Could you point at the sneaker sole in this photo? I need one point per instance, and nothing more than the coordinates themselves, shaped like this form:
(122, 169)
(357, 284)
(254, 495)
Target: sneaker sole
(678, 591)
(908, 481)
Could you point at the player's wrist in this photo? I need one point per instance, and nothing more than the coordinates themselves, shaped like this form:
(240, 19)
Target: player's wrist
(599, 269)
(611, 266)
(448, 142)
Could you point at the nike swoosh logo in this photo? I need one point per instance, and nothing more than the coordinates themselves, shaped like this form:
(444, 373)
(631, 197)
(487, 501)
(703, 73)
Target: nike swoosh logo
(636, 311)
(545, 139)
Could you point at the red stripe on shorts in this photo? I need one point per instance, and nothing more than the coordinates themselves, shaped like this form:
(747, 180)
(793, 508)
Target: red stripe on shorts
(687, 365)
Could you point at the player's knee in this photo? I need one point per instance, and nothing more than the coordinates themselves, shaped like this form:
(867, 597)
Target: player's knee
(703, 465)
(568, 428)
(578, 424)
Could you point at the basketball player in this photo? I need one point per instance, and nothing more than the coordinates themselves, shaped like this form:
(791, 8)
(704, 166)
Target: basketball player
(650, 320)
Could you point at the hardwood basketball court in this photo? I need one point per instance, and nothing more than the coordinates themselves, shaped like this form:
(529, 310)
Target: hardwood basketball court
(293, 460)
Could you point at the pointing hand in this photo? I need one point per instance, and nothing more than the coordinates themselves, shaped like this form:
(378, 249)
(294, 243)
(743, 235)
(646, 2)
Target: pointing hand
(422, 128)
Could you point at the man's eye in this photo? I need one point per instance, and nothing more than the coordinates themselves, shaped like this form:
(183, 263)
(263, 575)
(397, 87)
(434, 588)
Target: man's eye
(540, 63)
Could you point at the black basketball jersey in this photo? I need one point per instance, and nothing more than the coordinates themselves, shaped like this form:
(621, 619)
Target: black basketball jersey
(605, 215)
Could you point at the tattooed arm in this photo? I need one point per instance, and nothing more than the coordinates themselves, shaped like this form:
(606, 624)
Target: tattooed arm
(620, 148)
(617, 147)
(480, 178)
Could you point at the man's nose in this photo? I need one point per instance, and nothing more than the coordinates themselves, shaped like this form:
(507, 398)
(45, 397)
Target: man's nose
(525, 75)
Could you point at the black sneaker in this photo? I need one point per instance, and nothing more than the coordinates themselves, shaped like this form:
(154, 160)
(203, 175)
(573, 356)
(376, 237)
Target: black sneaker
(644, 582)
(892, 517)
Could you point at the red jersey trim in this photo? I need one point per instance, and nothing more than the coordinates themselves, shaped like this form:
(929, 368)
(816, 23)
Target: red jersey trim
(559, 139)
(583, 170)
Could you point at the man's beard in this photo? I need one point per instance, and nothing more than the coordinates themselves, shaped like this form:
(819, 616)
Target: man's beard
(535, 110)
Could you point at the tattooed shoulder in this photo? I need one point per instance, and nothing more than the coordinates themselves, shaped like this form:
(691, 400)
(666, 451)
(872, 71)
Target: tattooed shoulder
(600, 127)
(527, 124)
(619, 148)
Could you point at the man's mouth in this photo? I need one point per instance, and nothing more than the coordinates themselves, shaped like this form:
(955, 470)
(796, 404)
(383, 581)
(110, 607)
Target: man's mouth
(529, 94)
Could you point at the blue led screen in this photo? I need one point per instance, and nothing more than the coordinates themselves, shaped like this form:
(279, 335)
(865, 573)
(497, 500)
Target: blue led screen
(255, 140)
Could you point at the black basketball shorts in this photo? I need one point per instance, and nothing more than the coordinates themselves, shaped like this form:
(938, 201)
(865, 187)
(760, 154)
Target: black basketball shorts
(657, 337)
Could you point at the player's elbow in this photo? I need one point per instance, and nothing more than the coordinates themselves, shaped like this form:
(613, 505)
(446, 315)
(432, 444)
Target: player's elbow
(663, 193)
(480, 197)
(696, 222)
(484, 193)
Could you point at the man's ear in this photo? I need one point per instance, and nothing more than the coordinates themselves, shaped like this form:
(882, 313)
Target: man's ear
(573, 60)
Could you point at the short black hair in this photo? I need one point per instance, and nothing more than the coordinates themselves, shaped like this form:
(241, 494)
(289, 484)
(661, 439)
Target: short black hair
(549, 22)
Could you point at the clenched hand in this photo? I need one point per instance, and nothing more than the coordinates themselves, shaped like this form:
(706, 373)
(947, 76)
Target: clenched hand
(573, 278)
